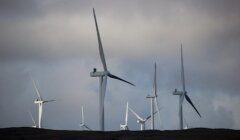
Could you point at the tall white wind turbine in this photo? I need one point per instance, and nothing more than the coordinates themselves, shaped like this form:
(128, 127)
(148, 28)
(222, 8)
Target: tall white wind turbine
(102, 77)
(183, 95)
(40, 103)
(153, 98)
(141, 120)
(125, 126)
(34, 123)
(82, 124)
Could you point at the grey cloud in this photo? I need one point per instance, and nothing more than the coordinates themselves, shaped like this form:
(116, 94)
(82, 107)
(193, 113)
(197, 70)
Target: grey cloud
(67, 29)
(19, 10)
(56, 42)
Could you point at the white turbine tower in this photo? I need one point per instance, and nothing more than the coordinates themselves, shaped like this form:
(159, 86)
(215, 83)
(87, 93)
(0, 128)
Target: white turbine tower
(140, 120)
(40, 103)
(102, 77)
(34, 123)
(153, 98)
(82, 124)
(183, 95)
(125, 126)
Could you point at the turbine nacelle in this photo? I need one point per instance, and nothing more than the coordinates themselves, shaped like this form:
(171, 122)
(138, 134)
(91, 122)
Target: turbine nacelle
(150, 96)
(38, 101)
(96, 73)
(141, 121)
(176, 92)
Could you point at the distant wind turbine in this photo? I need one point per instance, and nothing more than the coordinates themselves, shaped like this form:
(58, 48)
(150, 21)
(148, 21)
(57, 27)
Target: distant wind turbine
(183, 95)
(82, 124)
(140, 120)
(40, 103)
(102, 77)
(125, 126)
(153, 98)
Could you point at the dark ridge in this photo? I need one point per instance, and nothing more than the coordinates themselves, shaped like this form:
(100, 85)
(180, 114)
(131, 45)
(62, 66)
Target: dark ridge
(26, 133)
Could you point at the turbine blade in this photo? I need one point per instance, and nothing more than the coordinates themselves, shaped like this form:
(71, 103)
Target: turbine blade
(87, 127)
(36, 89)
(48, 101)
(115, 77)
(186, 127)
(100, 43)
(126, 117)
(150, 115)
(82, 116)
(81, 124)
(32, 118)
(157, 106)
(155, 80)
(134, 113)
(190, 102)
(182, 71)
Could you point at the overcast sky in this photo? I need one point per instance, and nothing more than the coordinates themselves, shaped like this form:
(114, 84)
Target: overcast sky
(55, 41)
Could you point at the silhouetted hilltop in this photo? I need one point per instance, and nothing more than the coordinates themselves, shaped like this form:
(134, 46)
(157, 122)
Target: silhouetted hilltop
(26, 133)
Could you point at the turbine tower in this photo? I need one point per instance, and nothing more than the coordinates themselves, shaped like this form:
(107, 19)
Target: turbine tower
(125, 126)
(82, 124)
(34, 123)
(153, 98)
(183, 95)
(40, 103)
(140, 120)
(102, 77)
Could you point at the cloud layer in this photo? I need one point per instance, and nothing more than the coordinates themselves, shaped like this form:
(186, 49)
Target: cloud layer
(56, 42)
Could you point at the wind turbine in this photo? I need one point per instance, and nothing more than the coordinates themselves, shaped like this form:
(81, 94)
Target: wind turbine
(140, 120)
(102, 77)
(183, 95)
(34, 123)
(40, 103)
(153, 98)
(82, 124)
(125, 126)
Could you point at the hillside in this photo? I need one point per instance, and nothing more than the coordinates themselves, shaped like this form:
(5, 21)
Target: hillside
(190, 134)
